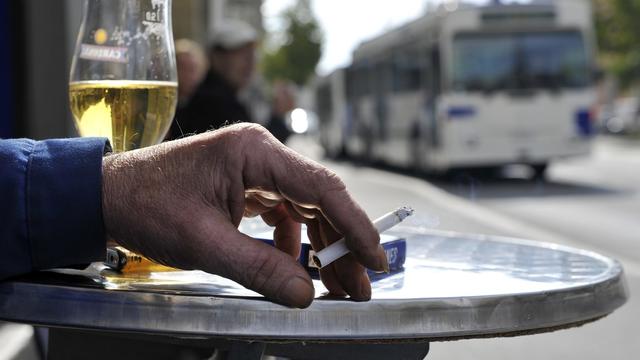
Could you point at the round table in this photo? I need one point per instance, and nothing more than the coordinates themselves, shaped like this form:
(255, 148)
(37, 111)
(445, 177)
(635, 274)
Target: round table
(453, 286)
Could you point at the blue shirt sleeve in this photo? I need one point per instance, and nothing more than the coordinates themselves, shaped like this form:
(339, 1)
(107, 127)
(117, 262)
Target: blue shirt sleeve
(50, 204)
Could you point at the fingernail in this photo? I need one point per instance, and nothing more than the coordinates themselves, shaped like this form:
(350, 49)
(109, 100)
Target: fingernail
(386, 267)
(298, 292)
(382, 256)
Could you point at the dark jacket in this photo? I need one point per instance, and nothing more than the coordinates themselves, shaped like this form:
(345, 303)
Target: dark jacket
(215, 104)
(50, 204)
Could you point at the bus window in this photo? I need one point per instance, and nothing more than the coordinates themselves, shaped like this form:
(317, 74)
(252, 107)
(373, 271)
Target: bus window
(363, 83)
(483, 62)
(407, 64)
(521, 61)
(383, 78)
(350, 82)
(436, 74)
(554, 60)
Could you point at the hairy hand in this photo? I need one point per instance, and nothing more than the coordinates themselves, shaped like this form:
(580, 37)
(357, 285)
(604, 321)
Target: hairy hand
(180, 204)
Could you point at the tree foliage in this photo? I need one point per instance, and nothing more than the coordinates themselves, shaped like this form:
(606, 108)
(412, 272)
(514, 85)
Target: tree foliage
(297, 57)
(618, 33)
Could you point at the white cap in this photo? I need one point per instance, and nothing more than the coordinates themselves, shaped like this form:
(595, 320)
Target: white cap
(232, 34)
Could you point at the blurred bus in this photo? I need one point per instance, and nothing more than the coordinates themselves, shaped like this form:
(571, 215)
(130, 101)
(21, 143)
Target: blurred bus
(467, 87)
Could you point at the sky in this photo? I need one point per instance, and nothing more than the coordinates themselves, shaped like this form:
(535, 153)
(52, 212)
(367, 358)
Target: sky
(345, 24)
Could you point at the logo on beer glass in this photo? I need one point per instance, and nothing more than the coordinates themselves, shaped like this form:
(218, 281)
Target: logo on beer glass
(103, 53)
(155, 14)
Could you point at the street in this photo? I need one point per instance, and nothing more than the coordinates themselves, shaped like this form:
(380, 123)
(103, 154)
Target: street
(590, 203)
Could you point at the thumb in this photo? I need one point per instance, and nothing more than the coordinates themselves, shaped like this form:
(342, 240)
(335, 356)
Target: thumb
(257, 266)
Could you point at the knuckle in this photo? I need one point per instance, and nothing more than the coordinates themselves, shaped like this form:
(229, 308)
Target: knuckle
(254, 138)
(323, 179)
(253, 131)
(244, 133)
(334, 182)
(330, 184)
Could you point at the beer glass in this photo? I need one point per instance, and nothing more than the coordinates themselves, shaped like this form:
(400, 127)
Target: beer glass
(123, 82)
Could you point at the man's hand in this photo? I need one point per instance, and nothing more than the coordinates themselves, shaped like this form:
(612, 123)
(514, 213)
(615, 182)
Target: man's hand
(180, 203)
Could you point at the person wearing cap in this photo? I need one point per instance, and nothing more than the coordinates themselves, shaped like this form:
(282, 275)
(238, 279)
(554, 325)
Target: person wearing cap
(216, 101)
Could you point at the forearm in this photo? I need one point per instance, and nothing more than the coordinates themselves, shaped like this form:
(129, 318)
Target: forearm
(50, 203)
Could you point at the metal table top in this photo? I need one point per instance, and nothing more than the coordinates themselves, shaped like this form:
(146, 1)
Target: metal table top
(453, 286)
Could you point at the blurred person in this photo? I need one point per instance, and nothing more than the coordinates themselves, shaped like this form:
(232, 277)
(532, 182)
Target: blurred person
(192, 66)
(180, 203)
(216, 102)
(282, 103)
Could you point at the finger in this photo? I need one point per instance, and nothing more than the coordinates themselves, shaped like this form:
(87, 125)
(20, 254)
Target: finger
(253, 207)
(305, 182)
(253, 264)
(294, 214)
(350, 273)
(258, 202)
(268, 202)
(267, 198)
(287, 237)
(307, 213)
(287, 232)
(327, 274)
(361, 237)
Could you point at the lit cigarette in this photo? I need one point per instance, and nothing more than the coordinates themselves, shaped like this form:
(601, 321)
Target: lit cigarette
(339, 249)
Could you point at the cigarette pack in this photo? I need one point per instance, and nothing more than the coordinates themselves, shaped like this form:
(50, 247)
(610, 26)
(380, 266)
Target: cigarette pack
(395, 248)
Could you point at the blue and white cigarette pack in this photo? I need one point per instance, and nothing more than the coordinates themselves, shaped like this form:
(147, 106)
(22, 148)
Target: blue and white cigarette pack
(395, 248)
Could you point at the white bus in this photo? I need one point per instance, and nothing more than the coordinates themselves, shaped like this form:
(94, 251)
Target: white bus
(471, 87)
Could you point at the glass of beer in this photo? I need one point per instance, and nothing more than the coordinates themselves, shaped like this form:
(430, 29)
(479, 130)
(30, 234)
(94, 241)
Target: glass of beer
(123, 82)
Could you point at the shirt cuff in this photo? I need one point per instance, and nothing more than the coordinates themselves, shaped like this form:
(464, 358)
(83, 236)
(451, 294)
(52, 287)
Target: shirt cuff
(64, 202)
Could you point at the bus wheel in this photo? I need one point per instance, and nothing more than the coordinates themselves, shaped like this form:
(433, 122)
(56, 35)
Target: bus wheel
(539, 170)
